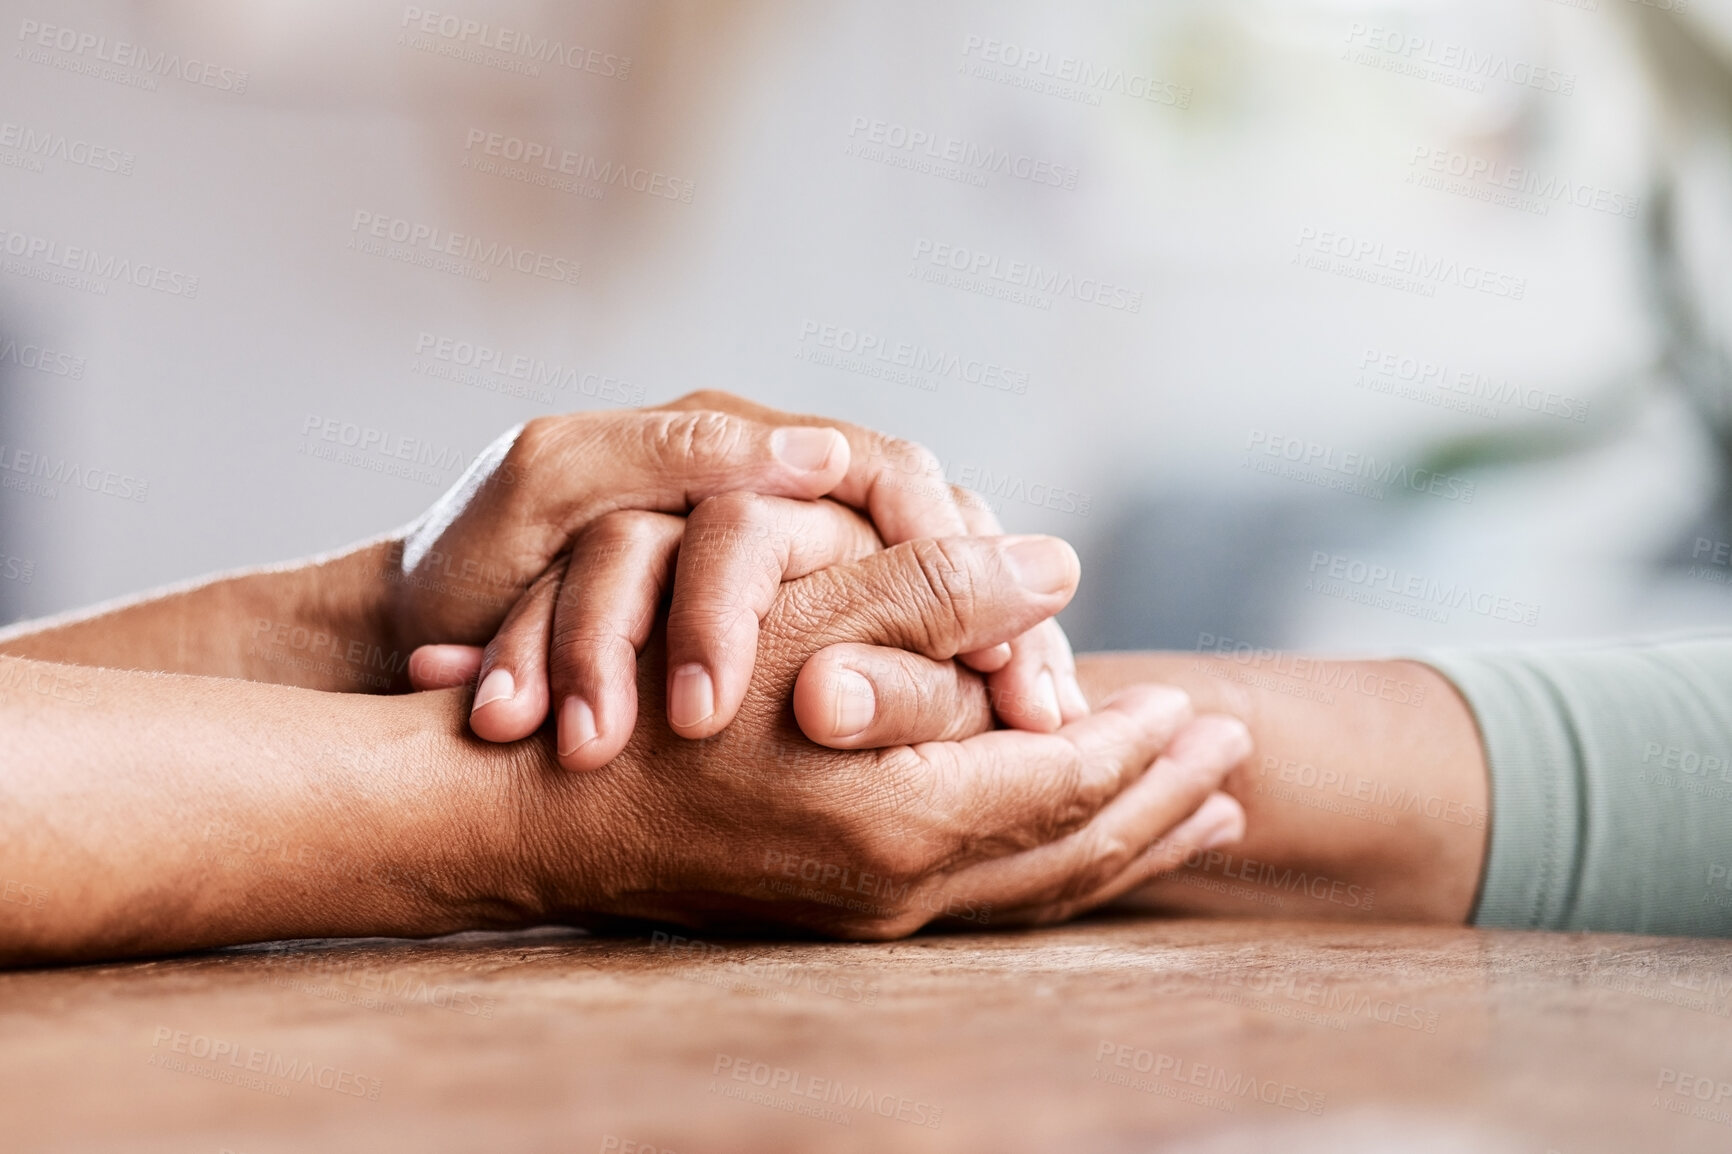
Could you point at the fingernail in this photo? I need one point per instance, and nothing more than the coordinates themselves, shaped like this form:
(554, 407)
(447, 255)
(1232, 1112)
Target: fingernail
(856, 703)
(1227, 834)
(1231, 735)
(1039, 564)
(1046, 698)
(1070, 692)
(1225, 822)
(496, 686)
(692, 699)
(803, 447)
(576, 725)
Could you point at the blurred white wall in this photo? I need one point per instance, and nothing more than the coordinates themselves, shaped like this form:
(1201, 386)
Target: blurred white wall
(1415, 234)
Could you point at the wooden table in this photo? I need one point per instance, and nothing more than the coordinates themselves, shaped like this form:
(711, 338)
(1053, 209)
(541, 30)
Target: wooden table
(1109, 1035)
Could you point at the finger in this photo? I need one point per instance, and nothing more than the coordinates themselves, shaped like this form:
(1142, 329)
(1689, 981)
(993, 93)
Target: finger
(869, 697)
(1009, 791)
(1121, 846)
(933, 597)
(528, 494)
(980, 521)
(619, 568)
(736, 552)
(444, 666)
(1035, 686)
(511, 693)
(899, 483)
(1219, 821)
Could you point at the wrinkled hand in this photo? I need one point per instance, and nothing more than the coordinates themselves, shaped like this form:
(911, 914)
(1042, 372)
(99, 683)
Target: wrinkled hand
(759, 826)
(569, 644)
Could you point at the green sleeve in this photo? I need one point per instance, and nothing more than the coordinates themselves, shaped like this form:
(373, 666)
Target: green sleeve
(1611, 785)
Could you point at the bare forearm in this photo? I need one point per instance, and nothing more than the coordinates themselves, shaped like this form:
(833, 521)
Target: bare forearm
(146, 814)
(1366, 798)
(320, 624)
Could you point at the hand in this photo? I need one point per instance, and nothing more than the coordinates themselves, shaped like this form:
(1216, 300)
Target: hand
(572, 638)
(758, 826)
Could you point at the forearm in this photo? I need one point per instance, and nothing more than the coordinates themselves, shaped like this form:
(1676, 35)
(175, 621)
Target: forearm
(321, 624)
(146, 814)
(1366, 797)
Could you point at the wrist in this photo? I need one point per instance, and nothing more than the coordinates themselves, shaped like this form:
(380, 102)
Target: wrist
(455, 829)
(347, 609)
(1365, 774)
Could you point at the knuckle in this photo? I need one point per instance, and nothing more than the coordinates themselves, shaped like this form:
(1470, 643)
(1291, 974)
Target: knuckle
(615, 535)
(535, 434)
(948, 592)
(706, 399)
(912, 457)
(802, 618)
(714, 617)
(1104, 857)
(1078, 795)
(883, 818)
(733, 521)
(624, 527)
(581, 651)
(699, 439)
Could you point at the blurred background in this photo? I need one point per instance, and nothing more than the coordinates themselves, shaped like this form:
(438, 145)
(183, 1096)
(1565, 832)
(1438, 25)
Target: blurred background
(1323, 323)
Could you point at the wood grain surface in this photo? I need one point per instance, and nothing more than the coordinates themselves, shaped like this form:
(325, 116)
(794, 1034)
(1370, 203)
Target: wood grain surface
(1108, 1035)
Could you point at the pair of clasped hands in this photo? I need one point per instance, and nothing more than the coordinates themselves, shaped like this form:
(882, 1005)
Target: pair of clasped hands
(856, 688)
